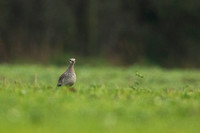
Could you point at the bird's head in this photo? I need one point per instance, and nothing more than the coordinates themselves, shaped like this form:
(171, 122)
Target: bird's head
(72, 60)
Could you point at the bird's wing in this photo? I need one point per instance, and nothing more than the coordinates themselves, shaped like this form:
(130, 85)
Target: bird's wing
(61, 79)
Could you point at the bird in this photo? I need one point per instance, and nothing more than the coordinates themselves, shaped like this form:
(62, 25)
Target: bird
(68, 78)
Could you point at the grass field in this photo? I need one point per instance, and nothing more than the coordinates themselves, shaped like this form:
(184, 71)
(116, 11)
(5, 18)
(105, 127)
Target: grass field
(107, 100)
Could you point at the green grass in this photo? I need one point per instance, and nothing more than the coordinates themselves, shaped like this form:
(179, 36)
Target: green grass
(108, 100)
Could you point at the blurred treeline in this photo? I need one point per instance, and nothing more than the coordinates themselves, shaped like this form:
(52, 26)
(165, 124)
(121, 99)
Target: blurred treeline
(164, 32)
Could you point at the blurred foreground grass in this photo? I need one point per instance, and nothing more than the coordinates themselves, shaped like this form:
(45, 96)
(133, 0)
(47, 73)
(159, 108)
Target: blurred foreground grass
(108, 99)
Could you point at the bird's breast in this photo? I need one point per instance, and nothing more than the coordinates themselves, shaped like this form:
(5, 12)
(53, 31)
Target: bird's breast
(70, 79)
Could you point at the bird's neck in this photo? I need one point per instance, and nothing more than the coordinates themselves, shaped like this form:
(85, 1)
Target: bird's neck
(70, 67)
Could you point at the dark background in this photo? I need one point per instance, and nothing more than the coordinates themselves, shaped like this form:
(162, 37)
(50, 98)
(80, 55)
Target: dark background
(123, 32)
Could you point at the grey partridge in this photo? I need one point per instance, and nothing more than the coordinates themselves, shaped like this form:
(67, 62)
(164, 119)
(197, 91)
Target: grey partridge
(68, 78)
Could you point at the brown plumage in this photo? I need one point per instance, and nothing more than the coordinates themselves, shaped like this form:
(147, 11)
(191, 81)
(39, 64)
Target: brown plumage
(68, 78)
